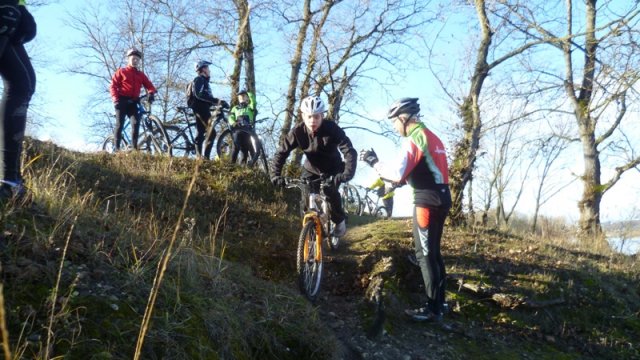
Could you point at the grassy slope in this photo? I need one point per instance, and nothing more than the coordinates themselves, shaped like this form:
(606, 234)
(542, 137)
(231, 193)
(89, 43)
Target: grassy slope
(229, 289)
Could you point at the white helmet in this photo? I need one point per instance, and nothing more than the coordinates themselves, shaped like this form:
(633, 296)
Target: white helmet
(312, 105)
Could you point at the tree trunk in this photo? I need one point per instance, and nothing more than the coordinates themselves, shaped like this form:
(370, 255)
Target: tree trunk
(465, 152)
(296, 63)
(243, 48)
(589, 204)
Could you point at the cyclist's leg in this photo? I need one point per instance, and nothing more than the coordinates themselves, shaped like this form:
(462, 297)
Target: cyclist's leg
(210, 135)
(337, 212)
(121, 113)
(247, 147)
(427, 232)
(135, 118)
(19, 84)
(388, 203)
(237, 135)
(201, 128)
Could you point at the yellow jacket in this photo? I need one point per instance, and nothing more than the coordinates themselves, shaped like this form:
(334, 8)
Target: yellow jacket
(379, 183)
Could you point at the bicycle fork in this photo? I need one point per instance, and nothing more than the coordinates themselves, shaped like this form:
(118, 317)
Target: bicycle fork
(316, 220)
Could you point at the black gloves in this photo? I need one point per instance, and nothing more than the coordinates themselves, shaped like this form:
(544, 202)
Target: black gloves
(152, 97)
(224, 104)
(9, 19)
(369, 156)
(278, 181)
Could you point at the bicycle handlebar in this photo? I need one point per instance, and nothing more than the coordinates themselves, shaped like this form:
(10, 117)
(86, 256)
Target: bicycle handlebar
(324, 180)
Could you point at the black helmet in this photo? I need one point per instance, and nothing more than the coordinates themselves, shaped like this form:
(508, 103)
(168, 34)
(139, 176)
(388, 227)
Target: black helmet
(202, 63)
(403, 106)
(242, 92)
(134, 51)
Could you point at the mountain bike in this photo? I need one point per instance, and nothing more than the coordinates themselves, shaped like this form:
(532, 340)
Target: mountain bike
(181, 131)
(226, 145)
(371, 206)
(350, 199)
(316, 227)
(152, 138)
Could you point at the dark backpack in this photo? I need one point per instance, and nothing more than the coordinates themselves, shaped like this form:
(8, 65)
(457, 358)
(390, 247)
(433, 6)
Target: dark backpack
(190, 96)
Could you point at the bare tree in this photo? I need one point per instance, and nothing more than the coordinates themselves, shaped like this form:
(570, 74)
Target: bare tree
(102, 51)
(488, 56)
(598, 88)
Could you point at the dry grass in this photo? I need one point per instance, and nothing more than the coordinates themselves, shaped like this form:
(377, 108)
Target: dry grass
(80, 262)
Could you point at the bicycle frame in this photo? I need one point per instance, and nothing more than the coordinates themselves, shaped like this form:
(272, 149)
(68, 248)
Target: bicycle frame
(369, 203)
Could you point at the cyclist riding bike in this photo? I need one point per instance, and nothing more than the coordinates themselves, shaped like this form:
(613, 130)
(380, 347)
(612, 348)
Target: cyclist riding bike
(386, 192)
(422, 163)
(322, 141)
(17, 27)
(125, 93)
(243, 114)
(200, 100)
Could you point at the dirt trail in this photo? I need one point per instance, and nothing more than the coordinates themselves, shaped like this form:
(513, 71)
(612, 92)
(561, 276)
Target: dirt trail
(345, 309)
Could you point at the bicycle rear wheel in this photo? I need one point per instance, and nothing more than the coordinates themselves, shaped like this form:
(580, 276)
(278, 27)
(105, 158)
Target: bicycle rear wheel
(350, 199)
(309, 261)
(180, 144)
(109, 144)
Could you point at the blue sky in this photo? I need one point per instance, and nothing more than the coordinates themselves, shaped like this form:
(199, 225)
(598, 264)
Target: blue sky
(60, 97)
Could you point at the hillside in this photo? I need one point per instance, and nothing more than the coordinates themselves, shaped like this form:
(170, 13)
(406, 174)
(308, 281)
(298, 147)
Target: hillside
(79, 261)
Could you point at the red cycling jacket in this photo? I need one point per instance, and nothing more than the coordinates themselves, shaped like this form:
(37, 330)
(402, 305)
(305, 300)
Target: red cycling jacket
(127, 81)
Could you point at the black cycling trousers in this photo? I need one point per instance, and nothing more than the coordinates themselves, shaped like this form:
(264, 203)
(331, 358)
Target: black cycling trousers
(127, 108)
(333, 196)
(428, 225)
(205, 133)
(19, 85)
(388, 204)
(242, 143)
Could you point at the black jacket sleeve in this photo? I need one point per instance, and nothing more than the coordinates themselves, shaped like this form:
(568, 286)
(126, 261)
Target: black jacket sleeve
(350, 154)
(201, 90)
(283, 152)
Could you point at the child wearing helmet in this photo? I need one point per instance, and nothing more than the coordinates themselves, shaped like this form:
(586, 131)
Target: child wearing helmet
(322, 141)
(200, 102)
(244, 115)
(422, 163)
(125, 93)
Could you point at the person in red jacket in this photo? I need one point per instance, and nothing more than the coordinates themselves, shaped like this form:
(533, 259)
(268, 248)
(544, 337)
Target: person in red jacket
(125, 92)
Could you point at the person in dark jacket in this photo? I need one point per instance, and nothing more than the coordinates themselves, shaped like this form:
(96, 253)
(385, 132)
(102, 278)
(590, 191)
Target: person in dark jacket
(125, 93)
(422, 162)
(17, 27)
(200, 101)
(322, 141)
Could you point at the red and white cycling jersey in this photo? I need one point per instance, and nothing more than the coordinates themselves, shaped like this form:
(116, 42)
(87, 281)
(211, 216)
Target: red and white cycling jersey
(422, 163)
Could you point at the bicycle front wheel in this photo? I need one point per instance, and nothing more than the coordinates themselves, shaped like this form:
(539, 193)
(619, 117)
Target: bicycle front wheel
(350, 199)
(381, 212)
(109, 144)
(309, 261)
(180, 144)
(225, 144)
(155, 139)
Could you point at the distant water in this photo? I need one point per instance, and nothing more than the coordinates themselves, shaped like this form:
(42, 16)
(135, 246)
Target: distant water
(629, 246)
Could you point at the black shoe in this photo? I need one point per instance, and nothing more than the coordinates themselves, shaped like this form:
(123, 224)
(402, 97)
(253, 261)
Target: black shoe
(423, 314)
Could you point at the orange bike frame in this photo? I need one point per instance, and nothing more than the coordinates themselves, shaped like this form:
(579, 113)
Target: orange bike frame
(312, 216)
